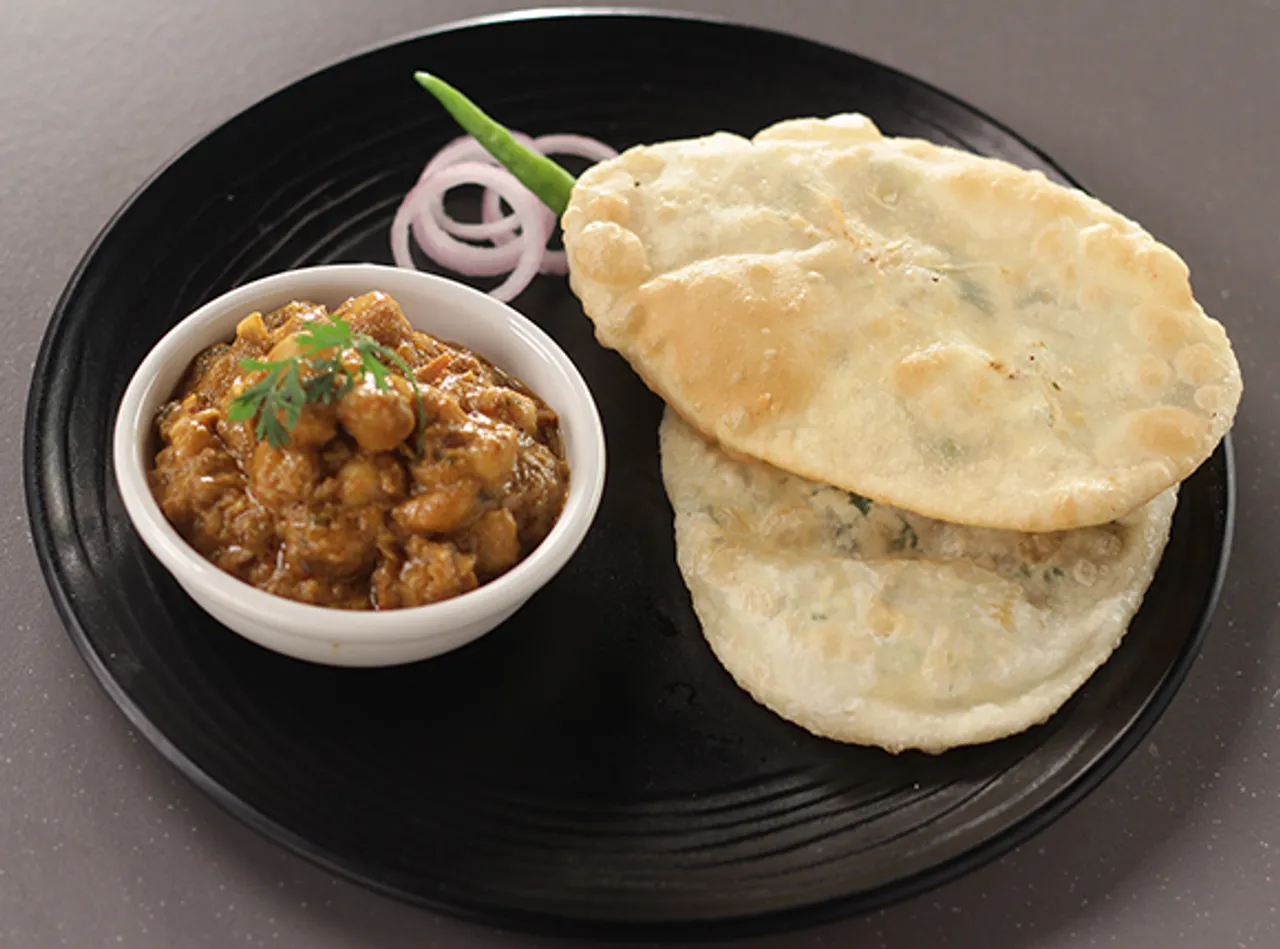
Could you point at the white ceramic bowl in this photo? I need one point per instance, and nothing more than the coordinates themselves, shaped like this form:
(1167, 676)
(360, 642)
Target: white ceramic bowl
(337, 637)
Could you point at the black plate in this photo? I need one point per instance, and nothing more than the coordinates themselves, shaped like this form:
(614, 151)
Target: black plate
(588, 767)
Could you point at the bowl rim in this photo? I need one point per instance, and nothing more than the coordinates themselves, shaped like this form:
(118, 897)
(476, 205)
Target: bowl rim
(579, 419)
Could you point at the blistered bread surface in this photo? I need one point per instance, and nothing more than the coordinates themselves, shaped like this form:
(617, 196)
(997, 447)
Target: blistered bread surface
(937, 331)
(869, 624)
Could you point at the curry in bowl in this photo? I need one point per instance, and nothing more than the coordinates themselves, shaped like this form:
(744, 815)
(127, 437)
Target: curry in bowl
(347, 460)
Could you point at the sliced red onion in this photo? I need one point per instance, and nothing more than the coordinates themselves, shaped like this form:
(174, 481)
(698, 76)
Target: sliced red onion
(554, 262)
(579, 146)
(414, 217)
(517, 242)
(520, 257)
(465, 148)
(492, 216)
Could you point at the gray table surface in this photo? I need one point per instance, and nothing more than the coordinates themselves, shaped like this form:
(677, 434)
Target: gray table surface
(1165, 109)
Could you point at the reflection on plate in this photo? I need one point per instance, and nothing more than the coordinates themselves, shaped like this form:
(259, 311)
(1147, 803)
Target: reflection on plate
(589, 766)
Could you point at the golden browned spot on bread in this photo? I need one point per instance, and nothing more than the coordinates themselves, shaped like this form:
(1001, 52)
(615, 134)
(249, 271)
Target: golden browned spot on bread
(831, 643)
(609, 206)
(1065, 508)
(1198, 365)
(1167, 430)
(1211, 398)
(759, 279)
(667, 210)
(1159, 327)
(1052, 203)
(1105, 246)
(880, 619)
(962, 375)
(848, 130)
(969, 184)
(1162, 267)
(731, 342)
(1151, 375)
(1095, 297)
(1049, 243)
(921, 369)
(1002, 612)
(644, 164)
(878, 327)
(607, 252)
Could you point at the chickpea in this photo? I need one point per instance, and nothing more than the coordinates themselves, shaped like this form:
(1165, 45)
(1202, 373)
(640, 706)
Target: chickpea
(441, 407)
(316, 426)
(506, 405)
(376, 315)
(279, 477)
(497, 541)
(239, 439)
(491, 454)
(484, 451)
(370, 479)
(189, 435)
(379, 419)
(287, 348)
(252, 330)
(440, 510)
(429, 573)
(332, 543)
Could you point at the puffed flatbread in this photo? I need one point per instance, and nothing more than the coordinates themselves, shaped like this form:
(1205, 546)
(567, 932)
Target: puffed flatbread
(934, 330)
(868, 624)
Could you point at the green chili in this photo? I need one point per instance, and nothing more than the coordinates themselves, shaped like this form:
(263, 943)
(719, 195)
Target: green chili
(544, 177)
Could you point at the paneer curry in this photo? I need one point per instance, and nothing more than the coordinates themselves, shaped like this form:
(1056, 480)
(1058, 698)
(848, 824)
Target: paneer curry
(385, 469)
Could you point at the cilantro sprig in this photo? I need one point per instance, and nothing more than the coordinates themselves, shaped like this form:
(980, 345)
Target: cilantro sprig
(285, 391)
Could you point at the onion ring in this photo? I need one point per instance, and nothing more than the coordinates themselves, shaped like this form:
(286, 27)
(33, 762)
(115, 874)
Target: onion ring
(517, 241)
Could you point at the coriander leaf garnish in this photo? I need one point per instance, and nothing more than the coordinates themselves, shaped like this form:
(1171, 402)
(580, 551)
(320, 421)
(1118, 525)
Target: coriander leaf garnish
(369, 352)
(292, 396)
(319, 335)
(862, 504)
(283, 391)
(907, 538)
(417, 391)
(277, 391)
(329, 385)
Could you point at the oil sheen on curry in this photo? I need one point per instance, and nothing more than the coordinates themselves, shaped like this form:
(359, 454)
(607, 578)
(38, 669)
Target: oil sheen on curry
(347, 460)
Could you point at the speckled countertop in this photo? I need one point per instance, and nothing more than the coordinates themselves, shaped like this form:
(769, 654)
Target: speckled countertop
(1165, 108)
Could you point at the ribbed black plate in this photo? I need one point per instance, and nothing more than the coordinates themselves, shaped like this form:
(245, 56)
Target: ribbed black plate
(588, 767)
